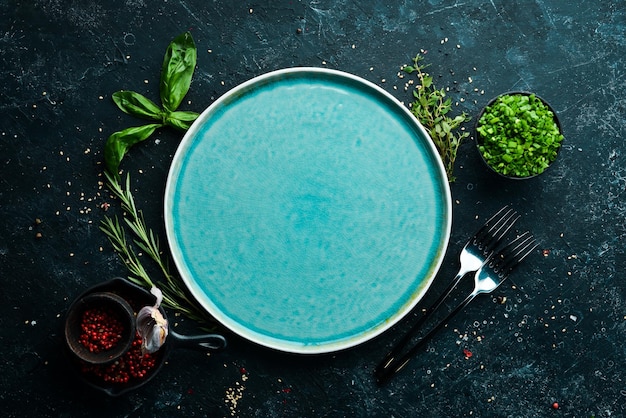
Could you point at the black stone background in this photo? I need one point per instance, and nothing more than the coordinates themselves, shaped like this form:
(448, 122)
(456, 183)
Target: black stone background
(559, 337)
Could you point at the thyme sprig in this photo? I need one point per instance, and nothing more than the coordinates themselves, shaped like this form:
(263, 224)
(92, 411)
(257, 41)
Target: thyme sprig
(431, 108)
(174, 294)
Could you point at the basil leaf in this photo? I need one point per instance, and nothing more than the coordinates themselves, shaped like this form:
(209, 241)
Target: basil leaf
(137, 105)
(178, 66)
(118, 144)
(181, 120)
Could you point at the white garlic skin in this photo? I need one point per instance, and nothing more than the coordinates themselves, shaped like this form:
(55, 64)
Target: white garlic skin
(152, 326)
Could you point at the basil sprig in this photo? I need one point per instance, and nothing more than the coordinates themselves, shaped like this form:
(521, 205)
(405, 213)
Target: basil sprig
(178, 65)
(137, 105)
(120, 142)
(176, 73)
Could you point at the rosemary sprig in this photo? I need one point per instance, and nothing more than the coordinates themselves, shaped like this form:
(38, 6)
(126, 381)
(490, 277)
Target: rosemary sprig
(431, 107)
(111, 227)
(174, 294)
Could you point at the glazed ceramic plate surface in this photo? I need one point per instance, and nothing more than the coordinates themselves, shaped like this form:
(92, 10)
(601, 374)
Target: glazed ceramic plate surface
(307, 210)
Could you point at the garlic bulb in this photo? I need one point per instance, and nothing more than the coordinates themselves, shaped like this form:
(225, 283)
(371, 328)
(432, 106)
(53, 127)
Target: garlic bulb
(151, 325)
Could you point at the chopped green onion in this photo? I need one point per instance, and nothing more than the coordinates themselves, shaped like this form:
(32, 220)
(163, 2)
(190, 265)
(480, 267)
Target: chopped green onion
(518, 135)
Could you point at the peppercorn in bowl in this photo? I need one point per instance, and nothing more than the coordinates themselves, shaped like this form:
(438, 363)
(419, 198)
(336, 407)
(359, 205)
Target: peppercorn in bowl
(518, 135)
(99, 327)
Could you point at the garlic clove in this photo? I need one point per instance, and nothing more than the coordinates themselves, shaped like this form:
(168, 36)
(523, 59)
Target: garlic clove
(158, 294)
(151, 325)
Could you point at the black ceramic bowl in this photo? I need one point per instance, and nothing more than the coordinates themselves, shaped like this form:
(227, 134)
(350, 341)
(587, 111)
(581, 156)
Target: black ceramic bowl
(117, 308)
(480, 139)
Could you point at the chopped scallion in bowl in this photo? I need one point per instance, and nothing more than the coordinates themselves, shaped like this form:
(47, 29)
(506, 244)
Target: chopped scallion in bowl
(518, 135)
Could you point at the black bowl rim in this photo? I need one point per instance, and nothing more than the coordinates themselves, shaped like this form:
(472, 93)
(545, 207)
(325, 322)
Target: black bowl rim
(83, 302)
(477, 136)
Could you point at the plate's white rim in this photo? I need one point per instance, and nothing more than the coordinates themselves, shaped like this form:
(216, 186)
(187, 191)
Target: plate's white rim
(234, 326)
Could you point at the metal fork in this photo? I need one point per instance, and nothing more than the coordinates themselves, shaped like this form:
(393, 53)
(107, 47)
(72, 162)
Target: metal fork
(473, 255)
(494, 271)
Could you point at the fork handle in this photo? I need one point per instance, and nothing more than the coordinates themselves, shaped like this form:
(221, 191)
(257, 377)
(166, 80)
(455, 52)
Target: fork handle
(397, 349)
(393, 366)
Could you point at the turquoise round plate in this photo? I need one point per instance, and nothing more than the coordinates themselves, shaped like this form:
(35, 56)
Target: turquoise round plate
(307, 210)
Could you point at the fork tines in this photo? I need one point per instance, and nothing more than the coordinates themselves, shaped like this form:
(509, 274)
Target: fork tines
(490, 234)
(511, 255)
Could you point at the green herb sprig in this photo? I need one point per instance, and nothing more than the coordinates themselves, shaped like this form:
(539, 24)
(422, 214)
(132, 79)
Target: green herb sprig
(518, 135)
(174, 294)
(176, 73)
(431, 108)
